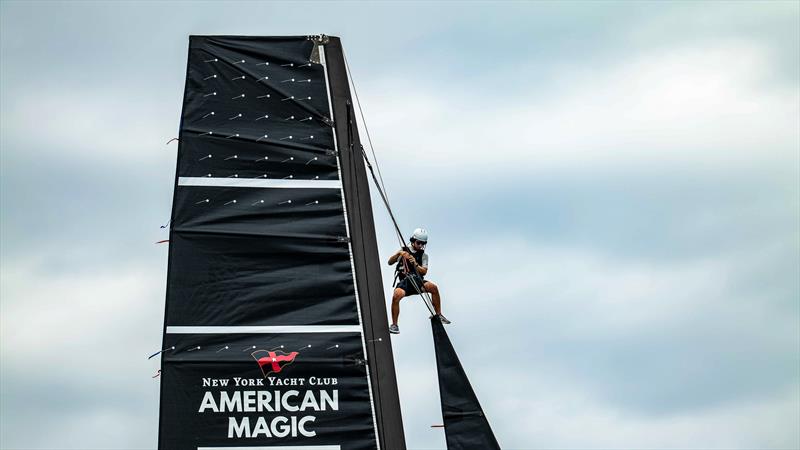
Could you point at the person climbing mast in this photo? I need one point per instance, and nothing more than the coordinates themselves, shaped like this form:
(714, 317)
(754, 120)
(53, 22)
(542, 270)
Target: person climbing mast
(411, 267)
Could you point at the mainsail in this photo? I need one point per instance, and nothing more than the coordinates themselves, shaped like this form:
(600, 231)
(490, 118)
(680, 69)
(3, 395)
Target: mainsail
(275, 323)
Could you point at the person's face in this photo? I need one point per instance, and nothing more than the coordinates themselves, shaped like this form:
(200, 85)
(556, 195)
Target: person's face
(418, 245)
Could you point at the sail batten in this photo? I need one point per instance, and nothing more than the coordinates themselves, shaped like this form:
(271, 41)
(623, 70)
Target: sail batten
(266, 329)
(260, 183)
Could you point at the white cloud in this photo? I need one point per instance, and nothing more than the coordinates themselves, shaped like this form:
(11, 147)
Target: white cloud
(79, 312)
(552, 414)
(74, 347)
(708, 103)
(90, 126)
(620, 295)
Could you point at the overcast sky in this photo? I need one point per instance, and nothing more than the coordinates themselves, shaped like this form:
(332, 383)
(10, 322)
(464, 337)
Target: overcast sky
(612, 192)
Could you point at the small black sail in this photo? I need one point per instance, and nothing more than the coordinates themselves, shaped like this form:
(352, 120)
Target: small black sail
(465, 424)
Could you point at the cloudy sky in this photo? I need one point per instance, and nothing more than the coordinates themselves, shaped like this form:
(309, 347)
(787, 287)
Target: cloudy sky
(612, 192)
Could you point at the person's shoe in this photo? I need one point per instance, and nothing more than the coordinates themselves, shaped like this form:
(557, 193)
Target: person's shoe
(441, 318)
(394, 329)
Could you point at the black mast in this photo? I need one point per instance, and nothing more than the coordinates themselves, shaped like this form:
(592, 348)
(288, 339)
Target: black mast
(365, 252)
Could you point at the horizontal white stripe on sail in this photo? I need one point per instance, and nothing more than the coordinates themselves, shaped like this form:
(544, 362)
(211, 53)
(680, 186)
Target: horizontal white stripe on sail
(259, 183)
(281, 447)
(255, 329)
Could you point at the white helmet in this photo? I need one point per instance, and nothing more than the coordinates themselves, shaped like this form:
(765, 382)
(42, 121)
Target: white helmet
(420, 234)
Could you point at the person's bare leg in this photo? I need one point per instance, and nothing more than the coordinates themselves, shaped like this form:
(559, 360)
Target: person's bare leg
(435, 298)
(396, 297)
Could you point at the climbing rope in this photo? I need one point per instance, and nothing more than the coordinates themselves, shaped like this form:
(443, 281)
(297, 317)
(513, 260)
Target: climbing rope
(379, 185)
(366, 129)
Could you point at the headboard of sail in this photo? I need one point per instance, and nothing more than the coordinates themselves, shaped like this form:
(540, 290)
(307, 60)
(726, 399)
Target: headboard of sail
(263, 309)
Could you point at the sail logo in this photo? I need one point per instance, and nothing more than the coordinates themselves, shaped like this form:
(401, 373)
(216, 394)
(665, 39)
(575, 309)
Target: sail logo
(273, 361)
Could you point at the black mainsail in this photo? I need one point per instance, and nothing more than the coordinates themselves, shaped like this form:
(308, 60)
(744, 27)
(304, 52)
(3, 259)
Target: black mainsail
(275, 320)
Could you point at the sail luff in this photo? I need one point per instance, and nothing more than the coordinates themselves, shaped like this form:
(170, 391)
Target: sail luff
(170, 257)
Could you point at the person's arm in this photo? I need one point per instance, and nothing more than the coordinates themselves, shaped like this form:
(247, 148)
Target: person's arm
(393, 259)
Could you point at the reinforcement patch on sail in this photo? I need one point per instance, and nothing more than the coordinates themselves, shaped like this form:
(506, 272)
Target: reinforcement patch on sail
(265, 344)
(465, 424)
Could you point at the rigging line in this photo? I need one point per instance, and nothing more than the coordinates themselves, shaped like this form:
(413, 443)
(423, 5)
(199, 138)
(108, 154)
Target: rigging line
(364, 121)
(384, 198)
(381, 190)
(382, 186)
(421, 289)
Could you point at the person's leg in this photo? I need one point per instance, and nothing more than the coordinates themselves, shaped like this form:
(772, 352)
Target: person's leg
(435, 298)
(396, 297)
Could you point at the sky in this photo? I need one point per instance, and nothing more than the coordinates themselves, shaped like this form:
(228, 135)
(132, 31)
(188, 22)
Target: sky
(612, 191)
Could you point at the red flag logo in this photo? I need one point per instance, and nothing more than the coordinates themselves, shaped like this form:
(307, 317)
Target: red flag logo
(273, 362)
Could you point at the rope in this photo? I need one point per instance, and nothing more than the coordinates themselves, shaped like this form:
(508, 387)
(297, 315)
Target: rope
(364, 121)
(421, 289)
(384, 198)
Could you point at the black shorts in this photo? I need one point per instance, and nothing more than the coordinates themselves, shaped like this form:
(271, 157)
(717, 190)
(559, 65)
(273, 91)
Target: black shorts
(406, 285)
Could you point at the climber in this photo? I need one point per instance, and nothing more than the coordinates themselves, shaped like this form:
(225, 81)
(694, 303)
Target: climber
(412, 266)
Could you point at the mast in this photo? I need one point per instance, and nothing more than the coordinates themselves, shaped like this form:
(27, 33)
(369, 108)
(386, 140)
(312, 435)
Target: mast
(365, 251)
(275, 327)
